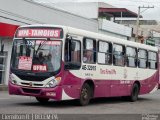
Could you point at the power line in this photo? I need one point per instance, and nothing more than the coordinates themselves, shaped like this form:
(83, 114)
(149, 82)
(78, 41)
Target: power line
(123, 4)
(138, 1)
(19, 16)
(142, 1)
(14, 20)
(131, 5)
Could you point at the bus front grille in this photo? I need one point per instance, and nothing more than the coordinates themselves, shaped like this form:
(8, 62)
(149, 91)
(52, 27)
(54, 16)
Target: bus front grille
(32, 91)
(31, 78)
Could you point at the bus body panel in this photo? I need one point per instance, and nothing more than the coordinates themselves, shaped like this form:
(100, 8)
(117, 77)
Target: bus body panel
(103, 88)
(108, 80)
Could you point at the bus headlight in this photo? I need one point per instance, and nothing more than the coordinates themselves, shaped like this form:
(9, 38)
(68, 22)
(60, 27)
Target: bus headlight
(12, 79)
(53, 82)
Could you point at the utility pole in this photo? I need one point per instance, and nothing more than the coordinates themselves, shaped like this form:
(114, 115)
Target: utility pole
(137, 24)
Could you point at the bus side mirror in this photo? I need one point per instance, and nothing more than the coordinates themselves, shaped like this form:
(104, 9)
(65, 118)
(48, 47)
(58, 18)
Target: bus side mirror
(67, 49)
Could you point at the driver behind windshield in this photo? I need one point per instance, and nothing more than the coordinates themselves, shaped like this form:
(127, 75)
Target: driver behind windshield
(41, 57)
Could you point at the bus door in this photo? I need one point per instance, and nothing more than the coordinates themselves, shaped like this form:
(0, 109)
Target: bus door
(72, 59)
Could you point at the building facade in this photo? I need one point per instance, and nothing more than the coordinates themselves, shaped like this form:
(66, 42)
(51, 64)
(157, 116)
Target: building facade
(93, 17)
(104, 13)
(26, 12)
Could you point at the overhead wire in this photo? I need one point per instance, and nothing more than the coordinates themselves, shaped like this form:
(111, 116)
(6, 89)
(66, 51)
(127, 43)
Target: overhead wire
(14, 20)
(19, 16)
(137, 1)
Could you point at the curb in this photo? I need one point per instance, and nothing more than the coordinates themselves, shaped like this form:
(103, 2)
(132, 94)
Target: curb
(3, 88)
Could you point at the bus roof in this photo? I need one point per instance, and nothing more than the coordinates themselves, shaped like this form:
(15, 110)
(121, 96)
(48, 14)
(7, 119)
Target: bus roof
(80, 32)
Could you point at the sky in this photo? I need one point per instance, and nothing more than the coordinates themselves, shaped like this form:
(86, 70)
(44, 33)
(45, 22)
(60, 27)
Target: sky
(149, 14)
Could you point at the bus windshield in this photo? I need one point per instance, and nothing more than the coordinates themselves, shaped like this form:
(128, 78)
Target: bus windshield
(38, 55)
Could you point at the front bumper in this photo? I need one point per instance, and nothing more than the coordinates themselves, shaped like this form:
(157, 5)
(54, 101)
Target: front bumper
(52, 93)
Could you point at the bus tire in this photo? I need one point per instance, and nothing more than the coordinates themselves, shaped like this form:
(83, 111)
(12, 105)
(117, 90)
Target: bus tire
(85, 95)
(134, 92)
(42, 100)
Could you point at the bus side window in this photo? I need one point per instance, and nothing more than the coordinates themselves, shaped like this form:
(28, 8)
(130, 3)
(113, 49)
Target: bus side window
(152, 60)
(131, 57)
(104, 52)
(89, 50)
(72, 54)
(142, 58)
(118, 55)
(75, 51)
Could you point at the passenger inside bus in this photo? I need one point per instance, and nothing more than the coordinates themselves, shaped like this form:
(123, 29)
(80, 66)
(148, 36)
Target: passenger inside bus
(48, 62)
(88, 56)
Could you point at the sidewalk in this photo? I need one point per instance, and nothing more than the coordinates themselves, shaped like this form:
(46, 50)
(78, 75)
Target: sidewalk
(3, 88)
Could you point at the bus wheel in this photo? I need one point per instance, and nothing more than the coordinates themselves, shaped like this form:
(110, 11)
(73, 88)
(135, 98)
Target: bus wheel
(85, 95)
(134, 93)
(42, 100)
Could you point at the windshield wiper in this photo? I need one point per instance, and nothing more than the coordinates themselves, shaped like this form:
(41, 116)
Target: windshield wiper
(40, 45)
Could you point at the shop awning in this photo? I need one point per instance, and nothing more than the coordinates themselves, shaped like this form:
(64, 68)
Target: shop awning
(7, 30)
(118, 12)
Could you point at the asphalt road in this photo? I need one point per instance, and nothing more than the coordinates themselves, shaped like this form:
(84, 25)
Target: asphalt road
(102, 108)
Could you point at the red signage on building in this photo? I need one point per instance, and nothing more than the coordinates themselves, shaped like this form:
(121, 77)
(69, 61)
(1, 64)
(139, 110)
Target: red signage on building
(7, 30)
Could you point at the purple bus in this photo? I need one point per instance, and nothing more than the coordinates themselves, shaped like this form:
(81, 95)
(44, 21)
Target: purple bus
(64, 63)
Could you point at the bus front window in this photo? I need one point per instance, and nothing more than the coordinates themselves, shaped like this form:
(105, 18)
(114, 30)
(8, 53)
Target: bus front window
(36, 55)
